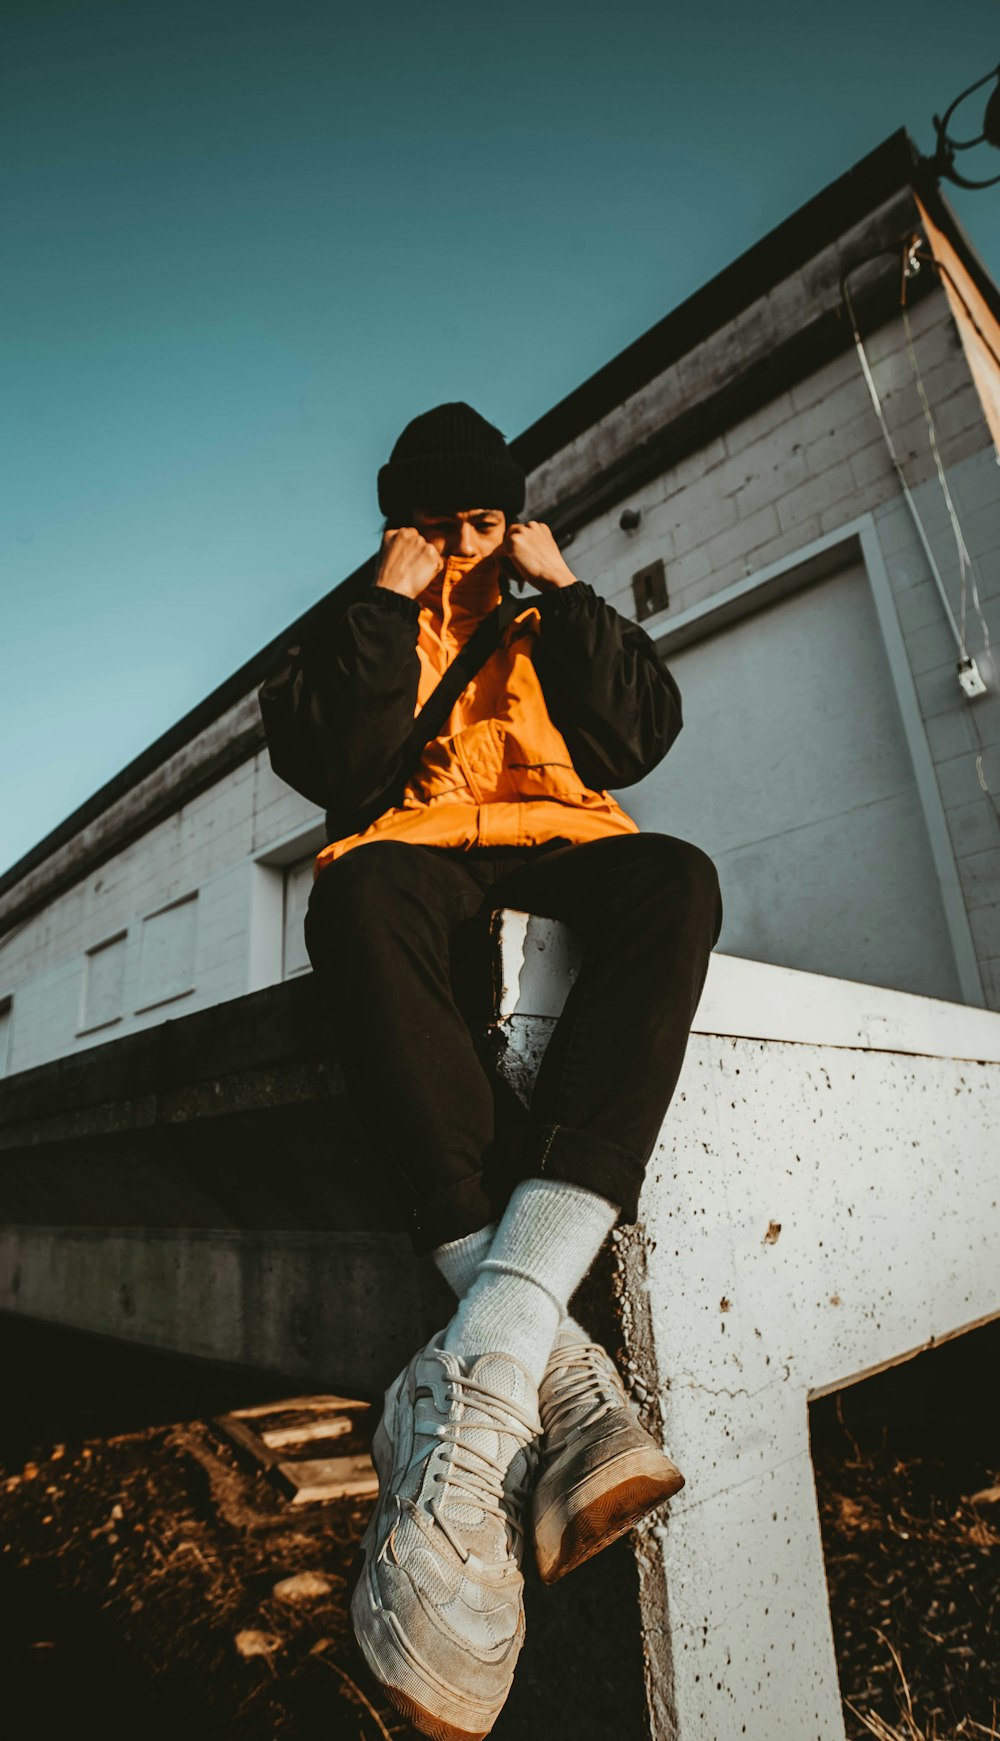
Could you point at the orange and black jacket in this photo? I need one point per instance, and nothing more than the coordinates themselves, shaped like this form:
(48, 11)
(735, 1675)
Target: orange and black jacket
(573, 701)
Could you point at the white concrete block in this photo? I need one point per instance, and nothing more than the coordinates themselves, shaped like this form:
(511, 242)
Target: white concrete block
(973, 826)
(749, 533)
(936, 690)
(768, 485)
(932, 646)
(841, 440)
(698, 529)
(918, 605)
(749, 433)
(957, 778)
(816, 495)
(751, 1642)
(686, 572)
(787, 543)
(697, 465)
(821, 1203)
(873, 472)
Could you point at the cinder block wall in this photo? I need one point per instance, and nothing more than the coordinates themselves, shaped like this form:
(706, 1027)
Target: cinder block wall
(810, 464)
(206, 850)
(807, 463)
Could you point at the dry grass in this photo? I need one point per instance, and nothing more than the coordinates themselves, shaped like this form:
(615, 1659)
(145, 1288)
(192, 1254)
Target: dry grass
(908, 1726)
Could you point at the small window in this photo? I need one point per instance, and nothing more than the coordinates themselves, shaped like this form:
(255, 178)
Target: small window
(103, 984)
(166, 956)
(298, 883)
(6, 1008)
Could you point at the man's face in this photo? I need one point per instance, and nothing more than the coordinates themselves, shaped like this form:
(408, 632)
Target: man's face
(474, 532)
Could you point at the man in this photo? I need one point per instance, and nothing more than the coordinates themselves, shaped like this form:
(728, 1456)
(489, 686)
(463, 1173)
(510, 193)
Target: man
(511, 1406)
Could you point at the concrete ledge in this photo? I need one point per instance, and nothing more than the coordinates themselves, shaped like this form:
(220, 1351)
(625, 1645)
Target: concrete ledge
(822, 1203)
(756, 1000)
(335, 1309)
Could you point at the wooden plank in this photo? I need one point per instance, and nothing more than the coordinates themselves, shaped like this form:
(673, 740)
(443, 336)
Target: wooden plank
(307, 1404)
(247, 1439)
(328, 1427)
(324, 1478)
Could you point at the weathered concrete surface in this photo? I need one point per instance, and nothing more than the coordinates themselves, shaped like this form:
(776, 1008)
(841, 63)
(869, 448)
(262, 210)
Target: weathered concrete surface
(340, 1309)
(824, 1201)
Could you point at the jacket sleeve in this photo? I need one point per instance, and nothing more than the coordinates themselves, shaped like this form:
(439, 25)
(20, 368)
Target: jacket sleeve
(338, 708)
(606, 688)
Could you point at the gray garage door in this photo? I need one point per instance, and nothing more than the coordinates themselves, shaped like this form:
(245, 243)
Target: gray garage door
(792, 772)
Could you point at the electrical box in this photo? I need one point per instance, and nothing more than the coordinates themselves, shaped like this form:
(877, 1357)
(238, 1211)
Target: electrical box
(649, 588)
(969, 678)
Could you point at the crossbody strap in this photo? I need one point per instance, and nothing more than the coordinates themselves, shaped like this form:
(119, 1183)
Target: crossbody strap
(457, 677)
(428, 722)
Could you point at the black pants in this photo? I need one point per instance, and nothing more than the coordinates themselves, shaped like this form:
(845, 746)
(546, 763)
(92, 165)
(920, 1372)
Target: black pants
(398, 935)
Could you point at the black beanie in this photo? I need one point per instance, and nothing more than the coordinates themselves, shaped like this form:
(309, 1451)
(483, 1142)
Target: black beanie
(447, 459)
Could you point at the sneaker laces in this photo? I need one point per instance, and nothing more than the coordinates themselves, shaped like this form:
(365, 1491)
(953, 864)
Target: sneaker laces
(577, 1373)
(476, 1476)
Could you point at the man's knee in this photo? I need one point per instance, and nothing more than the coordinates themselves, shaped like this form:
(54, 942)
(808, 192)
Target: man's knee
(668, 858)
(679, 872)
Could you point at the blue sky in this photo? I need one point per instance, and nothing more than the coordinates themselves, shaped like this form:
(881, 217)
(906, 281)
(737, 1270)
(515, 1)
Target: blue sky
(247, 240)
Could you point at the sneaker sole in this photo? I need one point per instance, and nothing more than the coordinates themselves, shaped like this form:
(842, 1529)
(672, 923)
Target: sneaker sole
(605, 1506)
(406, 1685)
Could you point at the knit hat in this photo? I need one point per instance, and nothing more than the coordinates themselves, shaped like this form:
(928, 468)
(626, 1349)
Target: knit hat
(447, 459)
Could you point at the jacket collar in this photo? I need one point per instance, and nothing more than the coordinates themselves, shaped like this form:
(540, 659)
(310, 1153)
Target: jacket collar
(463, 592)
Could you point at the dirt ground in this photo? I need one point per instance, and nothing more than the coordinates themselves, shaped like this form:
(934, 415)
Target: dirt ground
(141, 1553)
(908, 1478)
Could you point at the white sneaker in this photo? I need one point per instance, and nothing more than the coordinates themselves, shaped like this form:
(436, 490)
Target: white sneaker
(600, 1470)
(438, 1607)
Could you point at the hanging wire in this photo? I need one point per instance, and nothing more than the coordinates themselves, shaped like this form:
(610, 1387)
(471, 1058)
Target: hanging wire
(896, 461)
(966, 566)
(911, 258)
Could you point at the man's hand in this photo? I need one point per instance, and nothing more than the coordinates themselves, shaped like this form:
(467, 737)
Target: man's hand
(536, 556)
(408, 563)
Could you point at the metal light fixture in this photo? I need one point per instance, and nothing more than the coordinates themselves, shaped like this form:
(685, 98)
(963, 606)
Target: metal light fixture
(943, 162)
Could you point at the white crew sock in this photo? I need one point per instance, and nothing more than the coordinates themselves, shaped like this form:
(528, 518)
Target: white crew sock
(459, 1260)
(549, 1236)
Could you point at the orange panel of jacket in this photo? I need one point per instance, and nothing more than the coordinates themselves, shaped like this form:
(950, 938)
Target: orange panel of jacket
(499, 773)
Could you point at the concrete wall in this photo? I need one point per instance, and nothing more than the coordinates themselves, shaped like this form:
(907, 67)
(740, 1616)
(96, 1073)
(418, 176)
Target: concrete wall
(807, 462)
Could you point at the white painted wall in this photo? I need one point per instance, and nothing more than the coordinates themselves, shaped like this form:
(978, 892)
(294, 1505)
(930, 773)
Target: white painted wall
(822, 1202)
(190, 914)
